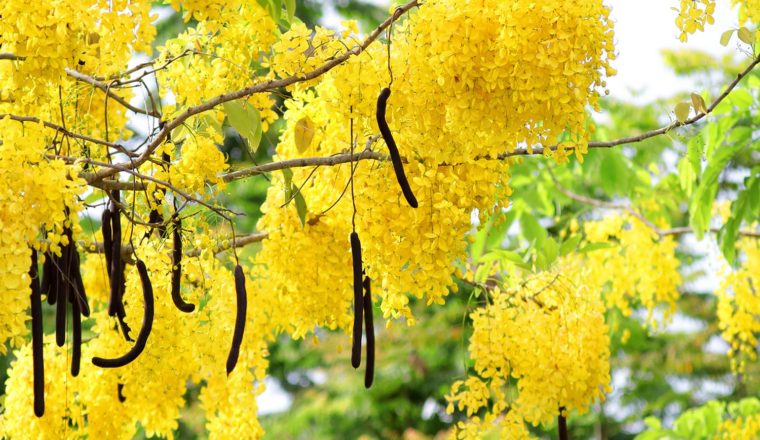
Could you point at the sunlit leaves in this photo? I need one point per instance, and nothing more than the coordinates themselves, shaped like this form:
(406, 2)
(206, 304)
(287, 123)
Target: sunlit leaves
(246, 119)
(303, 133)
(682, 110)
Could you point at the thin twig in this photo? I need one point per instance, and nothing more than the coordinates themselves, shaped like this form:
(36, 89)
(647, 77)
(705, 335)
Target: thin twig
(61, 129)
(11, 57)
(96, 247)
(649, 134)
(256, 88)
(659, 231)
(120, 167)
(107, 90)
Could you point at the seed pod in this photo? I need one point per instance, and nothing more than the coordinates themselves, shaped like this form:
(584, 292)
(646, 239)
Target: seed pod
(76, 349)
(155, 217)
(116, 270)
(119, 392)
(80, 294)
(177, 271)
(242, 306)
(105, 229)
(356, 260)
(369, 329)
(64, 288)
(398, 167)
(38, 364)
(147, 325)
(49, 278)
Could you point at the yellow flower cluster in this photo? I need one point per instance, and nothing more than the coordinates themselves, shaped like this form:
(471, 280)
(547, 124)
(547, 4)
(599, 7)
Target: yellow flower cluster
(92, 36)
(742, 428)
(480, 102)
(227, 46)
(693, 15)
(493, 75)
(547, 331)
(639, 269)
(739, 306)
(200, 163)
(33, 195)
(749, 10)
(181, 348)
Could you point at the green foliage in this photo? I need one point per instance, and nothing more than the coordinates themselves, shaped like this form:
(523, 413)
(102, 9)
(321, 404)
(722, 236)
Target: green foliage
(700, 423)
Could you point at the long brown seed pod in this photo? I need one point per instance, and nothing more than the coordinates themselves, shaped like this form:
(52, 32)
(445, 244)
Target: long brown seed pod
(147, 325)
(177, 270)
(80, 294)
(76, 350)
(105, 229)
(50, 278)
(64, 290)
(116, 271)
(369, 330)
(356, 260)
(242, 306)
(562, 426)
(398, 167)
(38, 364)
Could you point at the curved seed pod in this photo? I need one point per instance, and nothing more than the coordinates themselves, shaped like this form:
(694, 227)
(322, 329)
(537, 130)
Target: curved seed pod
(105, 229)
(398, 167)
(37, 356)
(119, 392)
(147, 325)
(369, 329)
(177, 270)
(356, 260)
(76, 349)
(242, 305)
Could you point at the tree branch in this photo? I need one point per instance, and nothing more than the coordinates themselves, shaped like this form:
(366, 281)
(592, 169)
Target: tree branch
(11, 57)
(649, 134)
(659, 231)
(120, 167)
(107, 90)
(62, 130)
(256, 88)
(96, 247)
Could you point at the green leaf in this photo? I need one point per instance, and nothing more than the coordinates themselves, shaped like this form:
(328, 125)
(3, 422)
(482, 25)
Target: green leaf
(746, 35)
(547, 253)
(570, 244)
(287, 173)
(653, 422)
(725, 37)
(300, 206)
(531, 229)
(741, 98)
(700, 209)
(694, 152)
(246, 119)
(686, 176)
(740, 210)
(591, 247)
(615, 173)
(290, 7)
(505, 256)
